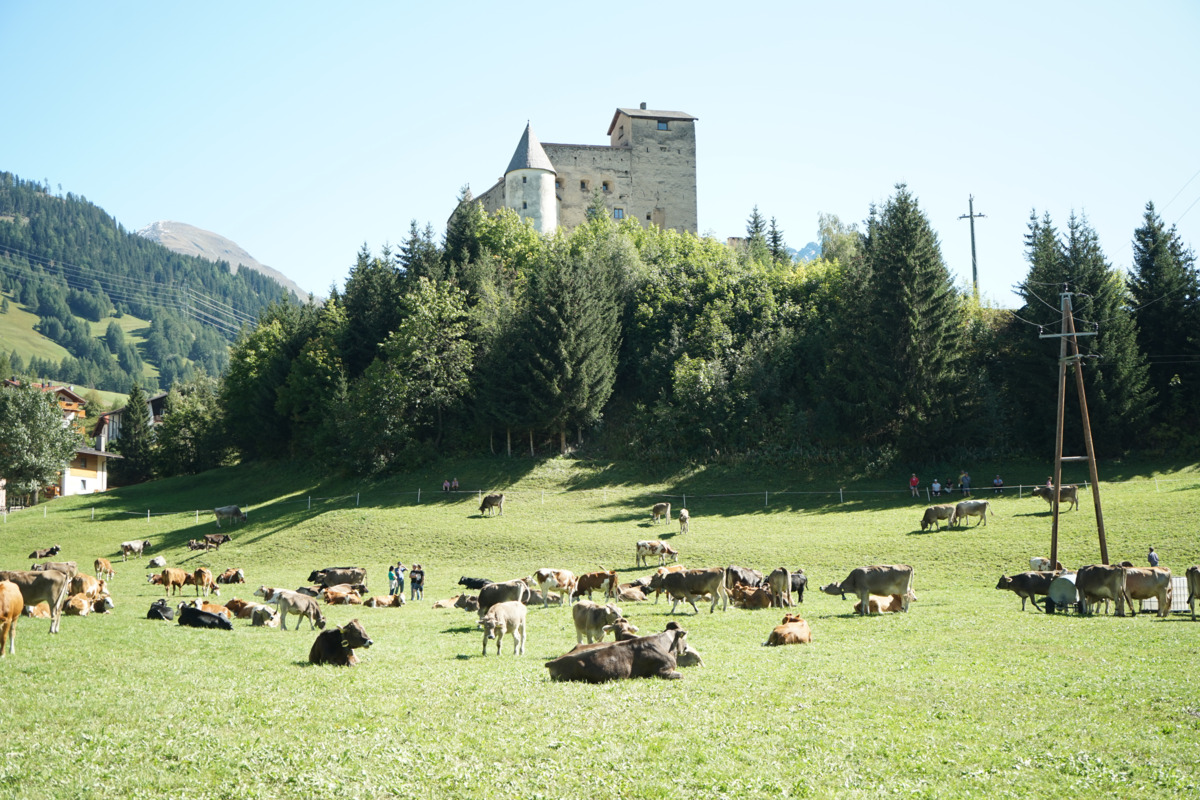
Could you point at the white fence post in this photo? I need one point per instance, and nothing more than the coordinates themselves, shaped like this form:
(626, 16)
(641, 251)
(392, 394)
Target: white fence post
(147, 516)
(197, 516)
(765, 499)
(841, 495)
(310, 502)
(357, 497)
(93, 513)
(418, 495)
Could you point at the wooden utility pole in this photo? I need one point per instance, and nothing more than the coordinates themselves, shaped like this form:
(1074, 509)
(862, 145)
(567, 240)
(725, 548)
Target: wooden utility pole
(1070, 335)
(971, 215)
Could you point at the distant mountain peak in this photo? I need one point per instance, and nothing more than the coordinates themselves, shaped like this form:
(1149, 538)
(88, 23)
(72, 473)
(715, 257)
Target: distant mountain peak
(189, 240)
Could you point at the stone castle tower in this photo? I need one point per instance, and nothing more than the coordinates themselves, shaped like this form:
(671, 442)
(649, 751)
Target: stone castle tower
(647, 172)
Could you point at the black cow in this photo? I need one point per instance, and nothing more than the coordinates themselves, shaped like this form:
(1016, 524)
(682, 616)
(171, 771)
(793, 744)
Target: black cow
(799, 582)
(337, 645)
(195, 618)
(53, 551)
(159, 609)
(643, 657)
(473, 584)
(1028, 584)
(215, 540)
(750, 577)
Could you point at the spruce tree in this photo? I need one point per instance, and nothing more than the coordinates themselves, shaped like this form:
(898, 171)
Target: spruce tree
(136, 442)
(462, 232)
(777, 246)
(420, 256)
(756, 238)
(372, 305)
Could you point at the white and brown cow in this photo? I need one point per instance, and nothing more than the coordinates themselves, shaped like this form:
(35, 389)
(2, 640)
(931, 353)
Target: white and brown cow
(589, 582)
(654, 547)
(88, 586)
(1142, 584)
(879, 579)
(104, 569)
(558, 581)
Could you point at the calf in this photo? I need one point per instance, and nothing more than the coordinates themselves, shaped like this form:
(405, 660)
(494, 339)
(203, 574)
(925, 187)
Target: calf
(884, 605)
(660, 511)
(591, 619)
(49, 552)
(628, 593)
(744, 596)
(685, 520)
(596, 581)
(265, 617)
(793, 630)
(350, 598)
(492, 502)
(502, 618)
(195, 618)
(134, 548)
(641, 657)
(337, 645)
(11, 606)
(104, 569)
(49, 586)
(203, 578)
(293, 603)
(452, 602)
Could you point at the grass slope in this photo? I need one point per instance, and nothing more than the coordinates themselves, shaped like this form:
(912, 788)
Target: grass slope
(964, 696)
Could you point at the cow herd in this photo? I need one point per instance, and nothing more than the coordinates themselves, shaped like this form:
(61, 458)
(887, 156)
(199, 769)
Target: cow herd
(1091, 585)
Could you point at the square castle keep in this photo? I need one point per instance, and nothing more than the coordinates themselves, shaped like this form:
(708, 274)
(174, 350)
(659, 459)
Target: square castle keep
(647, 172)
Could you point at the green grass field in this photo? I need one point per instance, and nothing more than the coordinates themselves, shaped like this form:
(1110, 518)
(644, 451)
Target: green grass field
(964, 696)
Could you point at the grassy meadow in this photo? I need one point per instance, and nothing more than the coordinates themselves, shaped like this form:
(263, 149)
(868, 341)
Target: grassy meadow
(965, 696)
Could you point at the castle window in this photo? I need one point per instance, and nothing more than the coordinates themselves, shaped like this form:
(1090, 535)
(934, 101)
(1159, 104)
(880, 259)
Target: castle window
(662, 125)
(607, 186)
(647, 217)
(524, 205)
(524, 179)
(583, 186)
(618, 213)
(558, 184)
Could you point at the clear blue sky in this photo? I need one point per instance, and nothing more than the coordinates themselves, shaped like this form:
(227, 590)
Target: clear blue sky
(303, 130)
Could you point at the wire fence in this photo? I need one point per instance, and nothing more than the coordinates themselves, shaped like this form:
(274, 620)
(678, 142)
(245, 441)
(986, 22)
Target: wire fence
(418, 496)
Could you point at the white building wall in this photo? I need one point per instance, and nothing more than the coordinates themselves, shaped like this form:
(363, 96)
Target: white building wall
(530, 192)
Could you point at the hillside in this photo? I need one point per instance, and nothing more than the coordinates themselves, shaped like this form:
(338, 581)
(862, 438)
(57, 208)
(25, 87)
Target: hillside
(179, 237)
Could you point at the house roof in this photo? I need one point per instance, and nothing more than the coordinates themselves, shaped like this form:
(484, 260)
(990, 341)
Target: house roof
(63, 391)
(529, 154)
(91, 451)
(647, 113)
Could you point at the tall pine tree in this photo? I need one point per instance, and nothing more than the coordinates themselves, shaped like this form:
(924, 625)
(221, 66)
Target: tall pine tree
(136, 442)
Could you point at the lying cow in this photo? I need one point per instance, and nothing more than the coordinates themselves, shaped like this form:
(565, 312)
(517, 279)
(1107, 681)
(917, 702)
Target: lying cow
(231, 514)
(346, 598)
(934, 514)
(49, 586)
(654, 547)
(880, 579)
(195, 618)
(1028, 585)
(1042, 564)
(621, 630)
(232, 575)
(884, 605)
(591, 620)
(337, 645)
(386, 601)
(134, 548)
(628, 593)
(793, 630)
(211, 608)
(751, 597)
(473, 584)
(11, 606)
(1066, 494)
(502, 618)
(161, 610)
(88, 586)
(1193, 583)
(1143, 584)
(49, 552)
(468, 603)
(643, 657)
(660, 511)
(196, 544)
(68, 568)
(970, 508)
(332, 576)
(492, 502)
(265, 617)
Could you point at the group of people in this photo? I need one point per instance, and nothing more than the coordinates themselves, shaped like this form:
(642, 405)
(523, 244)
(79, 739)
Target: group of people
(416, 580)
(450, 485)
(937, 489)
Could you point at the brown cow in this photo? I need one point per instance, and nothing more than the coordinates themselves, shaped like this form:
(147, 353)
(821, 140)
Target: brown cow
(385, 601)
(88, 586)
(660, 511)
(596, 581)
(744, 596)
(879, 579)
(104, 569)
(1066, 494)
(337, 646)
(696, 583)
(793, 630)
(591, 620)
(293, 603)
(49, 585)
(1193, 582)
(11, 606)
(502, 618)
(203, 578)
(1142, 584)
(1028, 585)
(492, 502)
(173, 580)
(452, 602)
(780, 583)
(559, 581)
(232, 575)
(68, 568)
(933, 516)
(641, 657)
(336, 598)
(211, 608)
(884, 605)
(1101, 582)
(49, 552)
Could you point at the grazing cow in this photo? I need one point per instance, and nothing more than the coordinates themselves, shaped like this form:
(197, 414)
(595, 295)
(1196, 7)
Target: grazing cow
(684, 521)
(504, 592)
(87, 586)
(1066, 494)
(642, 657)
(203, 579)
(337, 645)
(595, 582)
(1142, 584)
(215, 540)
(134, 548)
(1102, 582)
(232, 514)
(196, 544)
(744, 596)
(780, 583)
(654, 547)
(880, 579)
(559, 581)
(660, 511)
(473, 584)
(49, 586)
(468, 603)
(195, 618)
(884, 605)
(104, 569)
(799, 584)
(933, 516)
(502, 618)
(694, 583)
(492, 502)
(293, 603)
(742, 575)
(173, 580)
(591, 619)
(1193, 584)
(793, 630)
(332, 576)
(1042, 564)
(68, 568)
(1028, 585)
(161, 610)
(232, 575)
(11, 606)
(970, 508)
(385, 601)
(49, 552)
(158, 561)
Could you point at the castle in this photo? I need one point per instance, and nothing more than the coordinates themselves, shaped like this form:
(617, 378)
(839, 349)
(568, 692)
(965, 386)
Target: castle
(647, 172)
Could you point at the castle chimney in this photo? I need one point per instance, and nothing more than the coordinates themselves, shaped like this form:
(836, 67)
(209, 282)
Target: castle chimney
(643, 106)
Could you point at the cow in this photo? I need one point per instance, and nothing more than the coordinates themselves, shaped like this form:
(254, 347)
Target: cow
(881, 579)
(265, 617)
(884, 605)
(195, 618)
(587, 583)
(232, 575)
(385, 601)
(547, 580)
(49, 552)
(590, 619)
(173, 580)
(656, 580)
(780, 583)
(232, 514)
(621, 630)
(502, 618)
(933, 516)
(468, 603)
(1028, 585)
(473, 584)
(104, 569)
(689, 657)
(211, 608)
(203, 578)
(87, 586)
(215, 540)
(492, 502)
(158, 561)
(744, 596)
(134, 548)
(161, 610)
(11, 606)
(1101, 582)
(1193, 583)
(1066, 494)
(799, 584)
(793, 630)
(40, 611)
(350, 598)
(452, 602)
(293, 603)
(695, 583)
(236, 606)
(337, 645)
(1142, 584)
(1042, 564)
(641, 657)
(685, 520)
(196, 544)
(332, 576)
(660, 511)
(504, 592)
(970, 508)
(68, 568)
(628, 593)
(748, 577)
(654, 547)
(49, 586)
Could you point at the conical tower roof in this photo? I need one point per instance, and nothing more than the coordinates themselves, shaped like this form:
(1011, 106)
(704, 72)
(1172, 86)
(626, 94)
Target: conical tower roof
(530, 154)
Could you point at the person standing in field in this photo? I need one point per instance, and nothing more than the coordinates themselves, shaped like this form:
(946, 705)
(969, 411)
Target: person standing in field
(913, 483)
(416, 580)
(1153, 557)
(391, 580)
(964, 480)
(400, 568)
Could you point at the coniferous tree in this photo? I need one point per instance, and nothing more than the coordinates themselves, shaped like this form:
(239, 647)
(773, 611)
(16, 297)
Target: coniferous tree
(462, 232)
(756, 237)
(136, 442)
(777, 246)
(372, 303)
(420, 256)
